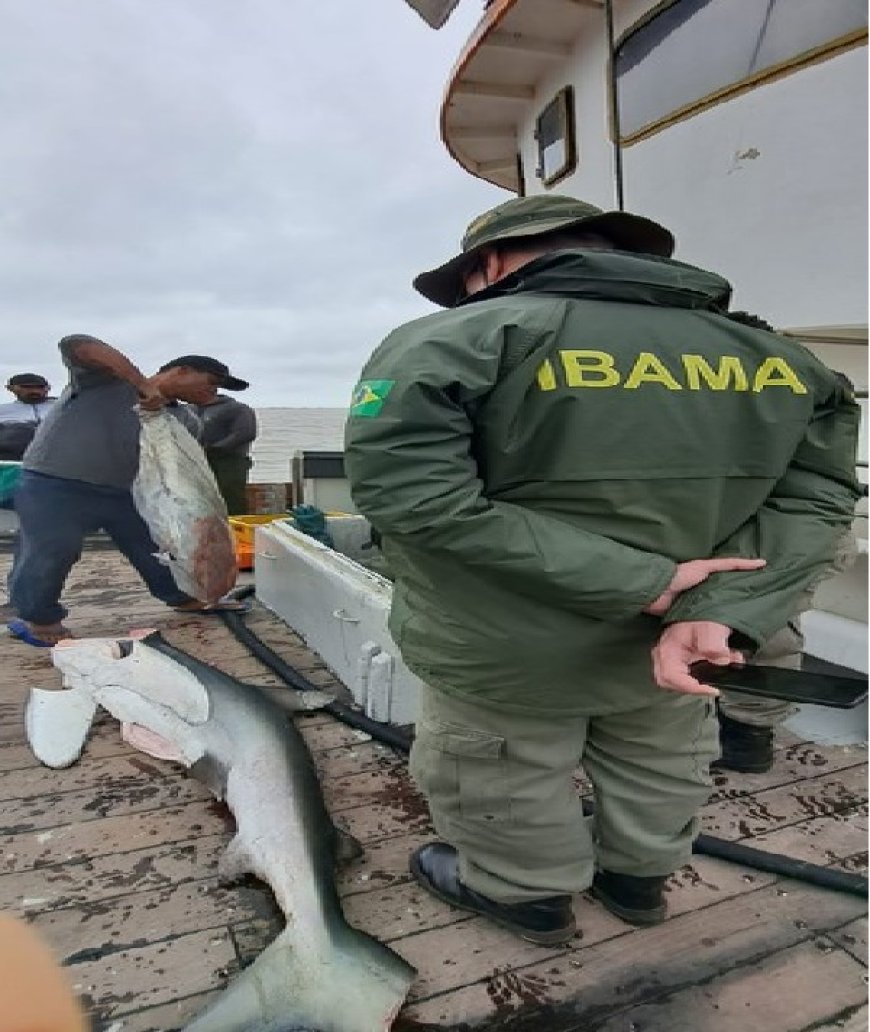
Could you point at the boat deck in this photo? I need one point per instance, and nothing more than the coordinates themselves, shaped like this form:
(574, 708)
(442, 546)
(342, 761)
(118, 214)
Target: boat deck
(114, 862)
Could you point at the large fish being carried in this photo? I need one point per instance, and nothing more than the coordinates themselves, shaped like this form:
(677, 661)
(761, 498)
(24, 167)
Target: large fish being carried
(319, 975)
(176, 494)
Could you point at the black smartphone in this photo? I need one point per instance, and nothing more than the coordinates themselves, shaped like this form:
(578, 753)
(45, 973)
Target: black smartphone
(800, 686)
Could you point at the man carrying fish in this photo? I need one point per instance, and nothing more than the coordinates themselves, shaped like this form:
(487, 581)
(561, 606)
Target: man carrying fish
(77, 475)
(587, 478)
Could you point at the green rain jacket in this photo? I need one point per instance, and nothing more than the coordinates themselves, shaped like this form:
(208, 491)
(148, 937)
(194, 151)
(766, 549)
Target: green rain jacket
(539, 458)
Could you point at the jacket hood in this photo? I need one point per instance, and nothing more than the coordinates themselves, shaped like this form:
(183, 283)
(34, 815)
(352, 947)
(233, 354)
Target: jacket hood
(614, 276)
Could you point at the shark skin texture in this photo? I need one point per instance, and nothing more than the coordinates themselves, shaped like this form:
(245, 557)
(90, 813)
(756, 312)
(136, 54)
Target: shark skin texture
(319, 974)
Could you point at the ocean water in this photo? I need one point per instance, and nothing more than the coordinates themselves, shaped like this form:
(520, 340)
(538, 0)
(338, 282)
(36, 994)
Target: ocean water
(283, 431)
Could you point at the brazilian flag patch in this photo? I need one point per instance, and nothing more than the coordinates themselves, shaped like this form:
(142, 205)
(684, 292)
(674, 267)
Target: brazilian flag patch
(369, 396)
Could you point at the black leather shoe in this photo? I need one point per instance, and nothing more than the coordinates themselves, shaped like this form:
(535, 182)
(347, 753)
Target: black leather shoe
(745, 748)
(546, 922)
(637, 900)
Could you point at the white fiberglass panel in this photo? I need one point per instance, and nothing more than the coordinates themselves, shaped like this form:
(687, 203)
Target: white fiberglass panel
(768, 188)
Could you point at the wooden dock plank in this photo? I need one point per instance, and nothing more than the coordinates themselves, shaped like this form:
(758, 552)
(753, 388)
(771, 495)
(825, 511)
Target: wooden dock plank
(99, 878)
(89, 774)
(347, 760)
(102, 836)
(380, 821)
(575, 989)
(852, 938)
(166, 1017)
(112, 799)
(829, 841)
(383, 863)
(131, 897)
(101, 928)
(842, 793)
(854, 1021)
(781, 991)
(392, 914)
(17, 755)
(156, 973)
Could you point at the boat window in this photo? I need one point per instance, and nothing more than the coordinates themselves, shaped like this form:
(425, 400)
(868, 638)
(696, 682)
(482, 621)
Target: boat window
(557, 144)
(692, 51)
(521, 177)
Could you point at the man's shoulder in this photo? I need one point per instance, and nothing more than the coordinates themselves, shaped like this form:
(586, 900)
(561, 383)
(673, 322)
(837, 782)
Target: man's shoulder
(236, 409)
(767, 340)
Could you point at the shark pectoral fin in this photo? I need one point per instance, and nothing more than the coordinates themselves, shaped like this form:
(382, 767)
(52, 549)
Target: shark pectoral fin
(212, 773)
(149, 742)
(234, 863)
(347, 848)
(57, 724)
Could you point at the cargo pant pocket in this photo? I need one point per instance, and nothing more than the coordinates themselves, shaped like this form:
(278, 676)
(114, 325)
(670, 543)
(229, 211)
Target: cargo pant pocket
(464, 773)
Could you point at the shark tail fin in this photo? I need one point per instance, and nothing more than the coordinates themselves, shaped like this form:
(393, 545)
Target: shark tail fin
(350, 982)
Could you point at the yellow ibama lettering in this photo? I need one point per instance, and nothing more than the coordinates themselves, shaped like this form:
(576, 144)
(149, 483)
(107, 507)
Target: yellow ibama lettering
(698, 369)
(650, 369)
(589, 369)
(546, 376)
(776, 372)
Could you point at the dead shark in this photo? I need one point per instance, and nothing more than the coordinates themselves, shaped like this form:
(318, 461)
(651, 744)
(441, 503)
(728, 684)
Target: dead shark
(320, 974)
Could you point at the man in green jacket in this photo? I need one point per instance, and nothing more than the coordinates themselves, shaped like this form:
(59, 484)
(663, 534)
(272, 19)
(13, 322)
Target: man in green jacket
(587, 478)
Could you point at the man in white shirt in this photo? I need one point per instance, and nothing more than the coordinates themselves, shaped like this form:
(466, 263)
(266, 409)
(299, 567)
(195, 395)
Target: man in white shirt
(20, 418)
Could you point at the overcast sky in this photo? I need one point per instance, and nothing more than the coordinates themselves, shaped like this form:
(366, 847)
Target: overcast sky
(258, 181)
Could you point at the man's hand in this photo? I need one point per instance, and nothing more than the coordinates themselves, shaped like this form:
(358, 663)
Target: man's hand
(683, 644)
(692, 573)
(150, 397)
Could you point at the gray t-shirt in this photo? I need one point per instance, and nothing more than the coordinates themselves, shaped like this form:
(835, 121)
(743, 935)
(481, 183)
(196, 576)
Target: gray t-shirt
(228, 426)
(91, 432)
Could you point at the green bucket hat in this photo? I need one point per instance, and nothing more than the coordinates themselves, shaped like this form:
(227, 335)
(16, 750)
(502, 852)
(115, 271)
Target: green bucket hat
(533, 216)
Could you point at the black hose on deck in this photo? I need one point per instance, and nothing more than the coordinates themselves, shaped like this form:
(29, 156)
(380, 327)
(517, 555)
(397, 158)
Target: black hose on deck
(704, 845)
(779, 863)
(353, 718)
(773, 863)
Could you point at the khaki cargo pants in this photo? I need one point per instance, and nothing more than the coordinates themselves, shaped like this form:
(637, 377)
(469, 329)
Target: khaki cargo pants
(500, 788)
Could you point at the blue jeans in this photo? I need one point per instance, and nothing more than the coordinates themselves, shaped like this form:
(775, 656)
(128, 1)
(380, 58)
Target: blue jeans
(55, 514)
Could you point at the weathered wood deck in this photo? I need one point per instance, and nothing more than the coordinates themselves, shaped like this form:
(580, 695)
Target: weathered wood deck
(114, 862)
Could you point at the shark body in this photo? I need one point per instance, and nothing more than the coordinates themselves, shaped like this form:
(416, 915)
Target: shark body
(320, 974)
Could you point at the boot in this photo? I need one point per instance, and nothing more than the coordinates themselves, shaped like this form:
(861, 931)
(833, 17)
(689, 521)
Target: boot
(637, 900)
(546, 921)
(745, 747)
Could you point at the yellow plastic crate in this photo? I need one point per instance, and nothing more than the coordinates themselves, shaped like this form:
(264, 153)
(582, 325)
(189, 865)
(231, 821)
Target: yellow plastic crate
(243, 532)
